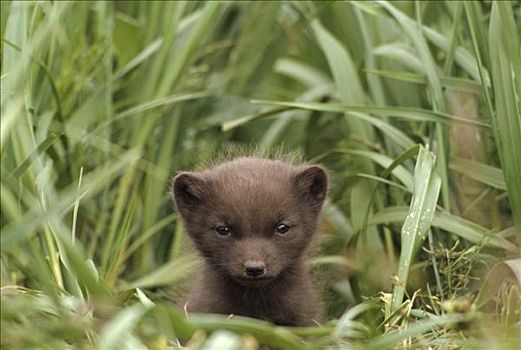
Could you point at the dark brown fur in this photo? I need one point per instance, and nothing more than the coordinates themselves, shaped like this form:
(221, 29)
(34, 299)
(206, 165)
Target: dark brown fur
(252, 196)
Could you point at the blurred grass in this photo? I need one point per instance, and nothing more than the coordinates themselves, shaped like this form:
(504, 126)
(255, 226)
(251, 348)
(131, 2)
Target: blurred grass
(102, 102)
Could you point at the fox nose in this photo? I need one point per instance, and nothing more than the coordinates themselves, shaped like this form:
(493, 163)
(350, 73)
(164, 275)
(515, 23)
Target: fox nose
(254, 268)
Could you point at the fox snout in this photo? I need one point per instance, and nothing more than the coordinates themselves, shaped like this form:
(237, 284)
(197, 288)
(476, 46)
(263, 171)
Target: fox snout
(254, 268)
(254, 259)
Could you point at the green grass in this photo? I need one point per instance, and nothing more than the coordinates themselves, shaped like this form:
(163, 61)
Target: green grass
(414, 107)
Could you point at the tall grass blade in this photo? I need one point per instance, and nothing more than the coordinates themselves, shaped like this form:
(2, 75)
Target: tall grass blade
(408, 113)
(506, 81)
(460, 84)
(399, 171)
(423, 205)
(415, 33)
(42, 147)
(465, 229)
(483, 173)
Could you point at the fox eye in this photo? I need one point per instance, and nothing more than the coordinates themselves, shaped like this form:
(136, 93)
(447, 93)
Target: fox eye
(223, 230)
(283, 229)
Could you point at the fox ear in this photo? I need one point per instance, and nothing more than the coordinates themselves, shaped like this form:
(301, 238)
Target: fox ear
(188, 191)
(311, 185)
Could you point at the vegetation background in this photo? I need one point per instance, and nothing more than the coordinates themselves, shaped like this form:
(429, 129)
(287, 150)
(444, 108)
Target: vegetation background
(414, 106)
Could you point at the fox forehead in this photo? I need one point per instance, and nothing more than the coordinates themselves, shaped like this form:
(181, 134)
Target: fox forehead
(252, 194)
(252, 205)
